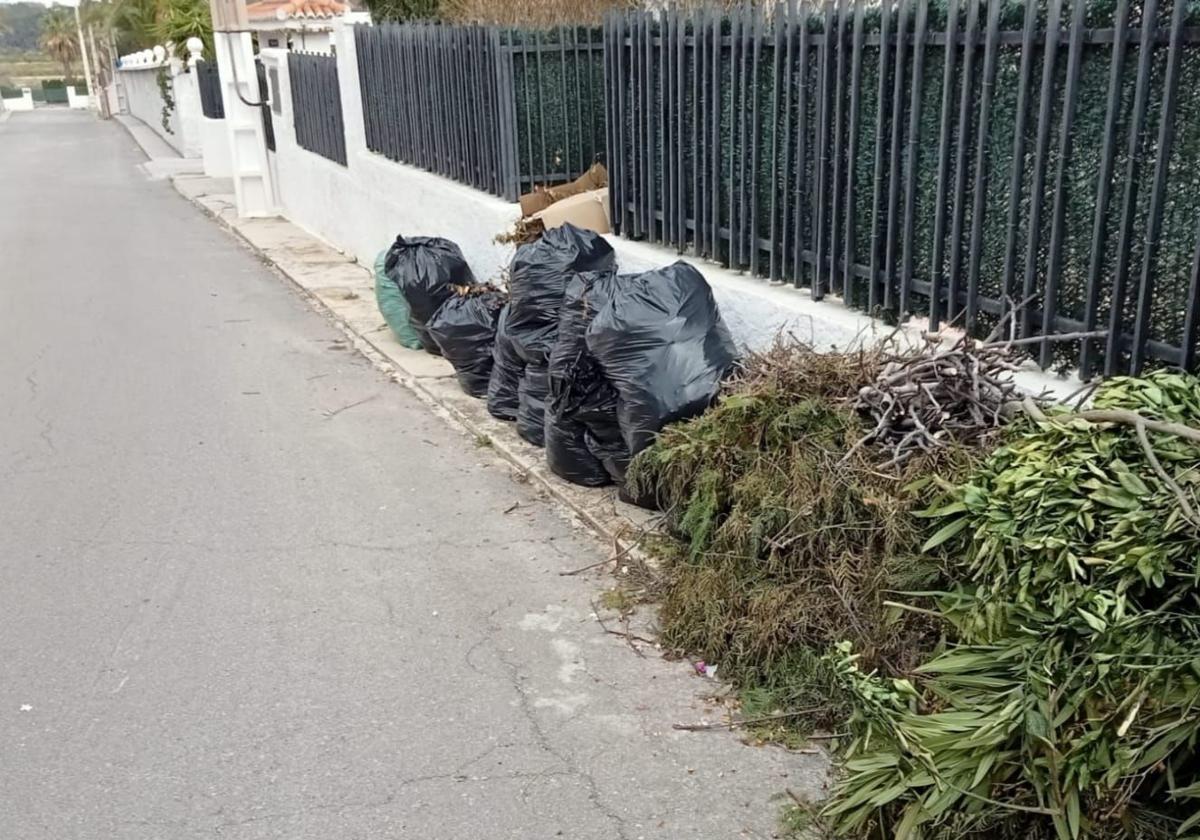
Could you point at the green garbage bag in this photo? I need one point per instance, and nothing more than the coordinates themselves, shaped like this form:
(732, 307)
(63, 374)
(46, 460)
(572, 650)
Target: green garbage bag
(393, 306)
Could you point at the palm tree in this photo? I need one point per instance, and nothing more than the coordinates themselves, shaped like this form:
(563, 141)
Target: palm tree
(59, 39)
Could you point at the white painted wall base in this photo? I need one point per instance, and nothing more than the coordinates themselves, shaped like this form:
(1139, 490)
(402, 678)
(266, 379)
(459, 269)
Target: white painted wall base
(76, 100)
(22, 103)
(214, 144)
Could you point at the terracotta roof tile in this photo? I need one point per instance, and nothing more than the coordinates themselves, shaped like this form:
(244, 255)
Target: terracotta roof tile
(263, 10)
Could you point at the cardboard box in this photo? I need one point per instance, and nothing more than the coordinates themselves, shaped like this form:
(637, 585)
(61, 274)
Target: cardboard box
(541, 198)
(587, 210)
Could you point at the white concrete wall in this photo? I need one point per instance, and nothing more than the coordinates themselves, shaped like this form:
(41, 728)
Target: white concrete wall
(76, 100)
(23, 103)
(188, 112)
(144, 101)
(214, 144)
(359, 208)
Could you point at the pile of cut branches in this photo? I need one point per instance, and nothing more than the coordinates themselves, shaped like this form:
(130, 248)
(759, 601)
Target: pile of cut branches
(925, 399)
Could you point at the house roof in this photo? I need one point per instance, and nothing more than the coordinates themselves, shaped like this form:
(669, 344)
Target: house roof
(263, 11)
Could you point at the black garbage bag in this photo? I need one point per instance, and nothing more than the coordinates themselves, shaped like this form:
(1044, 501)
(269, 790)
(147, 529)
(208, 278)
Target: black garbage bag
(583, 439)
(531, 408)
(662, 344)
(538, 278)
(465, 331)
(507, 370)
(426, 268)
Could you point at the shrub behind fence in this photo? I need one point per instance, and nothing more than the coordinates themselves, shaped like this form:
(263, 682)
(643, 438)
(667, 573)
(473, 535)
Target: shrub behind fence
(498, 109)
(1045, 163)
(316, 105)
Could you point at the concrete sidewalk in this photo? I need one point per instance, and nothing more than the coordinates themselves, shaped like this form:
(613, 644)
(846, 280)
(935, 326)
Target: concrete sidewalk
(164, 162)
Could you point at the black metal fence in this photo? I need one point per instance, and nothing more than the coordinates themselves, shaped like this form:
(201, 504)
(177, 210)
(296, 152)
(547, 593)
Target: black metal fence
(316, 105)
(208, 79)
(968, 160)
(498, 109)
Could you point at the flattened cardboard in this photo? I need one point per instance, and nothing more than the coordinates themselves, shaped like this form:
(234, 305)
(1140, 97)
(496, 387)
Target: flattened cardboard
(541, 198)
(587, 210)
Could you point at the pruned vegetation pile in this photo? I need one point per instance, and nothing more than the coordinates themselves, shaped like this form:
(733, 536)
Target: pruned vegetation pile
(1070, 704)
(790, 537)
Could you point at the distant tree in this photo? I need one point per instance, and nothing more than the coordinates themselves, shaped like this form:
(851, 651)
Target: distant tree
(23, 22)
(59, 37)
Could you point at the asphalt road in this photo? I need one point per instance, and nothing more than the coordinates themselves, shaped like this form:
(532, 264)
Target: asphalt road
(230, 608)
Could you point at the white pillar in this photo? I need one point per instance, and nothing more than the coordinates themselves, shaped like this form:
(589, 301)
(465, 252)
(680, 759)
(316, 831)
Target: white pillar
(252, 183)
(352, 112)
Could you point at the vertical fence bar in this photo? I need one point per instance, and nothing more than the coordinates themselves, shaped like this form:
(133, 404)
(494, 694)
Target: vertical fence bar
(849, 281)
(801, 152)
(398, 129)
(1166, 128)
(737, 231)
(680, 168)
(610, 122)
(894, 169)
(953, 290)
(662, 111)
(785, 230)
(874, 299)
(637, 114)
(755, 137)
(699, 100)
(914, 135)
(746, 49)
(821, 151)
(650, 130)
(1041, 149)
(835, 277)
(776, 55)
(735, 86)
(1129, 204)
(456, 101)
(562, 86)
(1065, 142)
(590, 127)
(943, 173)
(979, 194)
(1104, 185)
(404, 62)
(506, 123)
(672, 152)
(714, 184)
(593, 152)
(1017, 174)
(539, 85)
